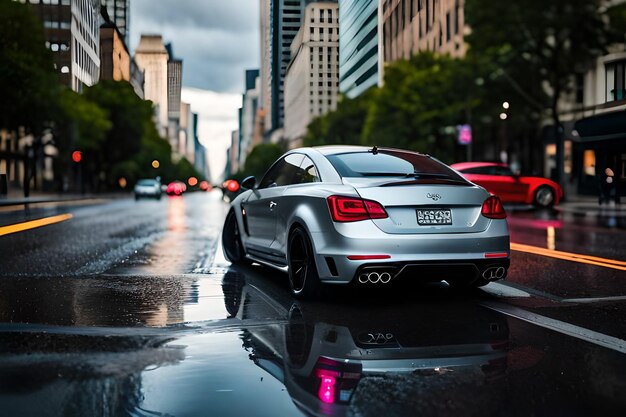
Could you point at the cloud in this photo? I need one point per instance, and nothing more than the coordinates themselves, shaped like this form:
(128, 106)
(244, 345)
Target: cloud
(217, 118)
(217, 40)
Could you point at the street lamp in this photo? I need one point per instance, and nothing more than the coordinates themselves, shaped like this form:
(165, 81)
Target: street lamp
(506, 105)
(503, 116)
(155, 164)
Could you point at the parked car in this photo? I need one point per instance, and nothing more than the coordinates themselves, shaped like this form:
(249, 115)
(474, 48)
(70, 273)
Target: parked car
(342, 214)
(176, 188)
(150, 188)
(500, 180)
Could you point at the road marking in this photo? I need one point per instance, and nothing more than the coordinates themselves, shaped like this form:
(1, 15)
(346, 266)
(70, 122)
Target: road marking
(20, 227)
(503, 290)
(574, 257)
(558, 326)
(594, 300)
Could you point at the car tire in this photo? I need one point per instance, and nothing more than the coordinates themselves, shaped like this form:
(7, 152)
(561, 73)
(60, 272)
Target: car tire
(303, 279)
(544, 197)
(231, 241)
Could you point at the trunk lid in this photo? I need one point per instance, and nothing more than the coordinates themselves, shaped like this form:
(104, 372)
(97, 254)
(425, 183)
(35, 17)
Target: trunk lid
(422, 206)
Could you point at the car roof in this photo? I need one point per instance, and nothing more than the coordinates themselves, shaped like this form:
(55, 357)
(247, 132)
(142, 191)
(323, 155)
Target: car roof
(338, 149)
(467, 165)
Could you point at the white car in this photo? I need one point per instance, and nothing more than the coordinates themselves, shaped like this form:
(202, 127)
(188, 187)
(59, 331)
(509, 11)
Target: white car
(148, 188)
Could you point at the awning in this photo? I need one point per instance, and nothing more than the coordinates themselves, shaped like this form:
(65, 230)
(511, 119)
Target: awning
(605, 127)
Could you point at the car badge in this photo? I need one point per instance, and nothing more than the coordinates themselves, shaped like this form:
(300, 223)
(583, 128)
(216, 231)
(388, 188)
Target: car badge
(434, 197)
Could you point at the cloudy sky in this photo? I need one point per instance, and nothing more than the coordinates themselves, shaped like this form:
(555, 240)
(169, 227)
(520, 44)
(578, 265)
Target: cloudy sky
(217, 41)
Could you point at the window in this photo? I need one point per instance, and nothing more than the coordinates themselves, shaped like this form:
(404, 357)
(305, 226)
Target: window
(307, 172)
(388, 163)
(615, 81)
(282, 172)
(580, 88)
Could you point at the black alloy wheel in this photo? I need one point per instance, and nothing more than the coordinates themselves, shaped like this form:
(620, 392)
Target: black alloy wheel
(544, 197)
(303, 278)
(231, 241)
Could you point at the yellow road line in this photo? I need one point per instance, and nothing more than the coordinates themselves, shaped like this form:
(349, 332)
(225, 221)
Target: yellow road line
(20, 227)
(574, 257)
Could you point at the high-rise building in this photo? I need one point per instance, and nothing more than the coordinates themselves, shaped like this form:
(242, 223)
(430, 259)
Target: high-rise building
(425, 25)
(72, 32)
(284, 21)
(114, 56)
(265, 82)
(152, 57)
(359, 49)
(174, 87)
(250, 104)
(312, 80)
(117, 11)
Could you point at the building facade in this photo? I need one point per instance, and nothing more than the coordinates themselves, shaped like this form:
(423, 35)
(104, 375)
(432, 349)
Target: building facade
(72, 32)
(118, 13)
(265, 82)
(312, 80)
(411, 26)
(594, 127)
(174, 88)
(151, 57)
(249, 110)
(114, 56)
(359, 49)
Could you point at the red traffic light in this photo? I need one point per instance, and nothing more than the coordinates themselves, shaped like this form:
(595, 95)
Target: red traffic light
(77, 156)
(232, 186)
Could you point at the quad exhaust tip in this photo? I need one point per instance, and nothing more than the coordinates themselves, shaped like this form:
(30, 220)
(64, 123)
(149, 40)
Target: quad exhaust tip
(494, 273)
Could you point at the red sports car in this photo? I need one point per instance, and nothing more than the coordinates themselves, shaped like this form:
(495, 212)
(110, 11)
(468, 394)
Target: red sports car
(498, 179)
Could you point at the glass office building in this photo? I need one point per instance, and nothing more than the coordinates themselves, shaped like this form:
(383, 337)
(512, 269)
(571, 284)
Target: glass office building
(358, 46)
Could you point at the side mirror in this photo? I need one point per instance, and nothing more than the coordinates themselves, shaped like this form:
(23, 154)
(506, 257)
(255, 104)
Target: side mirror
(248, 182)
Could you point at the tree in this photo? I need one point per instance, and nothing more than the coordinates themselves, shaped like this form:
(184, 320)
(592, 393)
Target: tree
(421, 103)
(27, 78)
(540, 46)
(130, 117)
(342, 126)
(259, 160)
(80, 125)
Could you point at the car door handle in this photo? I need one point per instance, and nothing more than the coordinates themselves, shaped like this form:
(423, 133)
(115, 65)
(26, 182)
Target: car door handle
(272, 205)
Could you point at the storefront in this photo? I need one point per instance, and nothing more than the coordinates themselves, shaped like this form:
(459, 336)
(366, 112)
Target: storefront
(599, 142)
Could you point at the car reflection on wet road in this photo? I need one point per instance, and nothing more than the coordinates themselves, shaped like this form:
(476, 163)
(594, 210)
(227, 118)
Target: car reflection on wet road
(147, 318)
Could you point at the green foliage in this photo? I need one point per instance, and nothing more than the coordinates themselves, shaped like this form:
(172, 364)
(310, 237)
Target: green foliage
(127, 113)
(537, 43)
(420, 104)
(27, 78)
(259, 160)
(418, 108)
(343, 126)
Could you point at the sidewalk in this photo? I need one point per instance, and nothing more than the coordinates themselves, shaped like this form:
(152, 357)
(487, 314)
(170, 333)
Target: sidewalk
(588, 206)
(17, 198)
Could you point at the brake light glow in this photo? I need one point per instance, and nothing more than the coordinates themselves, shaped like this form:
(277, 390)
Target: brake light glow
(351, 209)
(493, 209)
(367, 257)
(496, 255)
(326, 392)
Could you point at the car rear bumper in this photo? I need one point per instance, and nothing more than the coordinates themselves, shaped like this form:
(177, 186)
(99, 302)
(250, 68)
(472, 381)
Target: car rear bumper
(425, 257)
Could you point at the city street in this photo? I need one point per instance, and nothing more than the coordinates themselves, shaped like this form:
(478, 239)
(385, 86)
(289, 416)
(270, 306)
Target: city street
(119, 307)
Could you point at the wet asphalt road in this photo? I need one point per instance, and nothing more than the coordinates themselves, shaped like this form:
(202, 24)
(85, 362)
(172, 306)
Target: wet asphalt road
(129, 308)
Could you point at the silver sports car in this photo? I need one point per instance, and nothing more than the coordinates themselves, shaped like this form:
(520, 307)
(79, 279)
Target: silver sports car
(369, 216)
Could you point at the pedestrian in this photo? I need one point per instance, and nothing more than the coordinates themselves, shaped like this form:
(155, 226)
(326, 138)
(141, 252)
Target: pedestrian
(606, 185)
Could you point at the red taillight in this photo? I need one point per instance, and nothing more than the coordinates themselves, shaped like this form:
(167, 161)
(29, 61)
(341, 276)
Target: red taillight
(493, 209)
(350, 209)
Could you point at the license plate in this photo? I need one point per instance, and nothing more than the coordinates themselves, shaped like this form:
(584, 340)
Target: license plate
(429, 217)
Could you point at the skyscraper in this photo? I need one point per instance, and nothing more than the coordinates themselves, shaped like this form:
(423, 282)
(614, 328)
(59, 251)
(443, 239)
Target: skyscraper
(118, 13)
(312, 82)
(152, 57)
(358, 46)
(72, 32)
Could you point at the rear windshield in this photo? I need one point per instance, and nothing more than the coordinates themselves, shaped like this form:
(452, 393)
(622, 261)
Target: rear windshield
(147, 182)
(389, 164)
